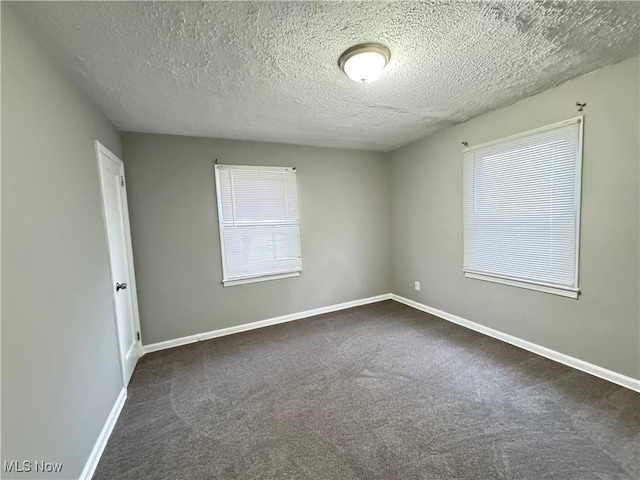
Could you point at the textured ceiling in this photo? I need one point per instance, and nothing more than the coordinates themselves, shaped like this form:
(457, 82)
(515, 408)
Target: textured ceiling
(268, 70)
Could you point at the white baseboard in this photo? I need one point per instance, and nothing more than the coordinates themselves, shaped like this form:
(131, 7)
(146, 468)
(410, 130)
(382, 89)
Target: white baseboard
(578, 364)
(153, 347)
(98, 448)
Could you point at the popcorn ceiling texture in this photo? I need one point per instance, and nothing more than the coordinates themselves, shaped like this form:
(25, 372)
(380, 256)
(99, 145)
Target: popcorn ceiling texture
(268, 70)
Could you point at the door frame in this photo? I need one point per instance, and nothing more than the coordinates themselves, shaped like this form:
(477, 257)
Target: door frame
(104, 154)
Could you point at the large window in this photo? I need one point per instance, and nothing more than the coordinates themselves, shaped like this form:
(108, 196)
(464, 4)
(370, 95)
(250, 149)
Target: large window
(259, 227)
(522, 209)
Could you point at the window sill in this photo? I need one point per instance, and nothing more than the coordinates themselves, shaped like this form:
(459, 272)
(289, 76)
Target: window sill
(264, 278)
(565, 292)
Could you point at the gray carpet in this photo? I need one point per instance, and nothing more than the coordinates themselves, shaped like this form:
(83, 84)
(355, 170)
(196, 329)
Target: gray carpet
(375, 392)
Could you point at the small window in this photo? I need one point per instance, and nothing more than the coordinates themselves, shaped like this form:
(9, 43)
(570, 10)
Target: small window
(259, 223)
(522, 209)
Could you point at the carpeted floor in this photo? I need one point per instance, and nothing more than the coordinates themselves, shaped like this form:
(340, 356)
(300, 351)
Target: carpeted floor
(375, 392)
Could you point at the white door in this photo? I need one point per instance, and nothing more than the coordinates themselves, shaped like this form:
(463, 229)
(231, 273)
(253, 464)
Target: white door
(116, 219)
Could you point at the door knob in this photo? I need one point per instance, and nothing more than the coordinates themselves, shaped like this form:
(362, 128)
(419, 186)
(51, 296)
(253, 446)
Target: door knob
(121, 286)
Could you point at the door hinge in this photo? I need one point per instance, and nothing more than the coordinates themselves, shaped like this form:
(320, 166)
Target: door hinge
(138, 335)
(122, 180)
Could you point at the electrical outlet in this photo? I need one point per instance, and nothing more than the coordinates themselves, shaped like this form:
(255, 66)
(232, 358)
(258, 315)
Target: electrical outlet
(417, 286)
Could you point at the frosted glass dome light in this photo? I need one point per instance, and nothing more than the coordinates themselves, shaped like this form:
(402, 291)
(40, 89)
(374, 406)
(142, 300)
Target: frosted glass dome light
(364, 63)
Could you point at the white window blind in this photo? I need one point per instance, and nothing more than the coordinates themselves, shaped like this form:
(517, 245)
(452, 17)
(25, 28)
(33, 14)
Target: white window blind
(522, 209)
(259, 223)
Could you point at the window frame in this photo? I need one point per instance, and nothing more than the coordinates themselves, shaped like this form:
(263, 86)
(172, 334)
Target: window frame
(565, 291)
(257, 277)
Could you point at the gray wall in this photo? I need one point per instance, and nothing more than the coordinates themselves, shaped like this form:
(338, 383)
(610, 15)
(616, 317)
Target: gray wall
(60, 369)
(344, 204)
(603, 326)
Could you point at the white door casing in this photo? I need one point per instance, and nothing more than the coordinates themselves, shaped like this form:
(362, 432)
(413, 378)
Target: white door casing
(116, 220)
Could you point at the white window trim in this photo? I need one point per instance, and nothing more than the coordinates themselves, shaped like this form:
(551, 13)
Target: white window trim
(254, 278)
(570, 121)
(261, 278)
(540, 286)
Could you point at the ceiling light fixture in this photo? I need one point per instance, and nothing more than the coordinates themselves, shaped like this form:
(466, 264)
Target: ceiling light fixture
(364, 62)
